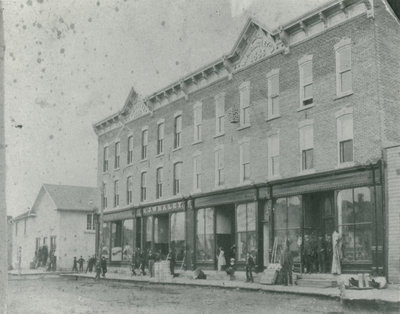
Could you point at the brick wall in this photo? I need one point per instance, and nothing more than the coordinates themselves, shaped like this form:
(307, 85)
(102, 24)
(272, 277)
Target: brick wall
(367, 145)
(393, 212)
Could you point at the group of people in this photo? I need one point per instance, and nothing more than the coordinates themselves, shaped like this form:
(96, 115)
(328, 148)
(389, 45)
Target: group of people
(99, 265)
(231, 267)
(44, 258)
(145, 259)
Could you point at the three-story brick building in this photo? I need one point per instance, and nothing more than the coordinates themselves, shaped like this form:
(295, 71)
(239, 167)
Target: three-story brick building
(281, 138)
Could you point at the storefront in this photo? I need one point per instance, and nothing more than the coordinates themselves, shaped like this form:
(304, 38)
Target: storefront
(306, 212)
(228, 221)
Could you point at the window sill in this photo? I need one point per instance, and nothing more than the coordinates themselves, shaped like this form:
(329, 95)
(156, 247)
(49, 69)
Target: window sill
(197, 142)
(342, 95)
(275, 177)
(306, 171)
(246, 182)
(242, 127)
(106, 172)
(345, 165)
(196, 191)
(273, 117)
(219, 187)
(160, 155)
(144, 160)
(117, 169)
(305, 107)
(218, 135)
(177, 148)
(129, 165)
(90, 231)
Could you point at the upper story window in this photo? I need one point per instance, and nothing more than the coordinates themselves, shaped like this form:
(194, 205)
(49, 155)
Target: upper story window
(117, 152)
(306, 132)
(104, 196)
(160, 137)
(105, 159)
(345, 135)
(245, 161)
(116, 193)
(344, 80)
(306, 81)
(159, 182)
(198, 117)
(177, 178)
(219, 166)
(245, 104)
(129, 190)
(197, 172)
(143, 186)
(145, 142)
(220, 114)
(273, 155)
(177, 131)
(273, 93)
(90, 223)
(130, 150)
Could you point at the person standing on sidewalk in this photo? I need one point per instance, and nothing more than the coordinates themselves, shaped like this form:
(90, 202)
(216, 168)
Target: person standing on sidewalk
(287, 264)
(249, 267)
(151, 263)
(75, 265)
(80, 262)
(19, 259)
(98, 269)
(221, 259)
(103, 266)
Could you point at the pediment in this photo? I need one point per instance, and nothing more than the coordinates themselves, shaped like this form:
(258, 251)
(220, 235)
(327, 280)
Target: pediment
(259, 45)
(134, 107)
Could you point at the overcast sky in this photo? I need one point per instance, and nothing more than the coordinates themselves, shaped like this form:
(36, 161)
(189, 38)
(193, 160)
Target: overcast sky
(70, 63)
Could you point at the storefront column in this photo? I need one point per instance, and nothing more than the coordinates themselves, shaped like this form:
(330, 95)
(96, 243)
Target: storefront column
(189, 235)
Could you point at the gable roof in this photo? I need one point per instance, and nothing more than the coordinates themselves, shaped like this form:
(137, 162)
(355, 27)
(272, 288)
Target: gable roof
(70, 197)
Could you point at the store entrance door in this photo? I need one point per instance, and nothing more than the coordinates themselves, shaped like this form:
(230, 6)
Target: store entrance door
(161, 234)
(319, 224)
(225, 230)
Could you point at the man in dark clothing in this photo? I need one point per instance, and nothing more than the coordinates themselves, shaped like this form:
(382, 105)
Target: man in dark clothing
(286, 262)
(75, 265)
(103, 266)
(151, 258)
(80, 261)
(321, 254)
(171, 258)
(249, 268)
(98, 269)
(133, 263)
(143, 262)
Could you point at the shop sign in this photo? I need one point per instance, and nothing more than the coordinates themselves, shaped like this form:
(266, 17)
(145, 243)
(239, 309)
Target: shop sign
(163, 208)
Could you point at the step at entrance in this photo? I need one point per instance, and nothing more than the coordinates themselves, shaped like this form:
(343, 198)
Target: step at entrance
(316, 280)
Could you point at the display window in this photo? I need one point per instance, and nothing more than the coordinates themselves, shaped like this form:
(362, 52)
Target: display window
(177, 227)
(116, 241)
(246, 230)
(161, 234)
(355, 223)
(205, 241)
(127, 249)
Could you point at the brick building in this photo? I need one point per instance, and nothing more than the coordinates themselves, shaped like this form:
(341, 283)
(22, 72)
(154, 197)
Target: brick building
(282, 138)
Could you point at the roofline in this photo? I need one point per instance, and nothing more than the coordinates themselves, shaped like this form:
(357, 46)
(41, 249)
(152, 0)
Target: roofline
(250, 20)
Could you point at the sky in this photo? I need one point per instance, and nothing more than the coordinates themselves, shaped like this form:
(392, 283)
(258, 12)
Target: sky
(71, 63)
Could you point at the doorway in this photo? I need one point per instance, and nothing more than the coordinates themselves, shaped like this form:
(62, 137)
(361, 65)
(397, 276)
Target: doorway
(225, 231)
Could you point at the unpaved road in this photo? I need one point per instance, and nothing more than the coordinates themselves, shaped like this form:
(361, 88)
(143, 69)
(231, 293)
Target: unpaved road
(61, 295)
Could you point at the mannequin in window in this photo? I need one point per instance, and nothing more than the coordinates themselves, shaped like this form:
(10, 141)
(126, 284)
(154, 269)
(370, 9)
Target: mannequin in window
(336, 252)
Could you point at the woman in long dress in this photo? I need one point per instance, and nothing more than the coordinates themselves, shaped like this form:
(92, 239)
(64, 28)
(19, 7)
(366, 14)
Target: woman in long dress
(336, 252)
(221, 259)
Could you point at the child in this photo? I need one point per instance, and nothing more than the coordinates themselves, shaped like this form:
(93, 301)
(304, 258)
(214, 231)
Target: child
(231, 269)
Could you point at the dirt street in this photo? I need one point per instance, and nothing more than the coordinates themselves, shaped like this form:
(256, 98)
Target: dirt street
(60, 295)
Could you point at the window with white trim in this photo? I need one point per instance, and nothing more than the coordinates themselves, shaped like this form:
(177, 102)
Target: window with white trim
(306, 133)
(344, 80)
(197, 173)
(105, 158)
(220, 114)
(197, 113)
(273, 93)
(116, 193)
(143, 186)
(273, 155)
(177, 131)
(160, 138)
(244, 104)
(129, 190)
(105, 195)
(130, 150)
(90, 223)
(117, 153)
(345, 137)
(245, 161)
(306, 81)
(219, 167)
(145, 142)
(177, 178)
(159, 182)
